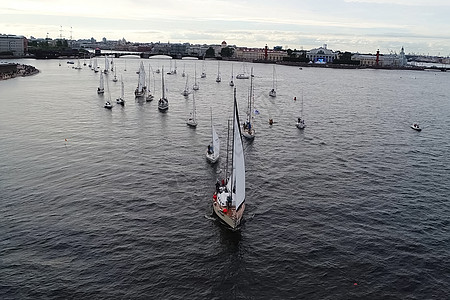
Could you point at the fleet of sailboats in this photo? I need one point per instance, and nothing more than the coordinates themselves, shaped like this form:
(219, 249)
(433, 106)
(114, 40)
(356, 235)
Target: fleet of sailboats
(229, 197)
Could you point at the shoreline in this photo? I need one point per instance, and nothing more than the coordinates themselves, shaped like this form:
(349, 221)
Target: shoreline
(10, 71)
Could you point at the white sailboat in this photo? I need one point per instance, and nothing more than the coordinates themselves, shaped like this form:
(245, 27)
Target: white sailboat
(95, 68)
(229, 198)
(140, 89)
(203, 75)
(106, 65)
(195, 87)
(101, 87)
(218, 78)
(121, 99)
(231, 81)
(273, 91)
(184, 73)
(115, 76)
(213, 151)
(300, 122)
(243, 74)
(112, 64)
(192, 119)
(186, 88)
(247, 127)
(108, 103)
(149, 96)
(78, 67)
(163, 103)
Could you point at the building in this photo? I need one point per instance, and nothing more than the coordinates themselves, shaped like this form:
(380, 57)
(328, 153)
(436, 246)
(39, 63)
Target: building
(251, 54)
(321, 55)
(393, 60)
(13, 44)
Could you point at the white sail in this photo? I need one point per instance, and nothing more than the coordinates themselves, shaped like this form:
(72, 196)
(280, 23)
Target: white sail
(106, 64)
(215, 142)
(238, 175)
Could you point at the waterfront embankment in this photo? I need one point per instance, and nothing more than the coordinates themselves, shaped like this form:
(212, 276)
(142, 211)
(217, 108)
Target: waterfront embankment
(12, 70)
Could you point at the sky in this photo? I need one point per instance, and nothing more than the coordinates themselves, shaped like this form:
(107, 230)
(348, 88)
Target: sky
(420, 26)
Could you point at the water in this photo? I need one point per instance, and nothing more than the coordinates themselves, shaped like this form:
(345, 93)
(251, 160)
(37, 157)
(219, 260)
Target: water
(354, 207)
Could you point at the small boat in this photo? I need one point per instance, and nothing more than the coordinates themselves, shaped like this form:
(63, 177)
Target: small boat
(149, 96)
(101, 87)
(192, 120)
(78, 67)
(115, 76)
(203, 69)
(213, 151)
(163, 103)
(106, 65)
(229, 197)
(416, 127)
(243, 74)
(108, 105)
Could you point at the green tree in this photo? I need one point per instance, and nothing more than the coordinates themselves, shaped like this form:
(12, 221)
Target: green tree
(210, 52)
(227, 52)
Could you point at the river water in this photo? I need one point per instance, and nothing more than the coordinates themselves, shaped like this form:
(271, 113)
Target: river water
(116, 204)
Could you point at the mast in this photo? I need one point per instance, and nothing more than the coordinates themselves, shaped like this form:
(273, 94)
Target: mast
(162, 80)
(233, 172)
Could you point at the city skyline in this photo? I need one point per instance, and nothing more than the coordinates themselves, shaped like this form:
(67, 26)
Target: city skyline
(347, 25)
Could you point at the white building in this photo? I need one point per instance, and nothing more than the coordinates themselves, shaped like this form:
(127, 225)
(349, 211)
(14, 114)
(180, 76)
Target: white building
(16, 44)
(390, 60)
(251, 54)
(321, 55)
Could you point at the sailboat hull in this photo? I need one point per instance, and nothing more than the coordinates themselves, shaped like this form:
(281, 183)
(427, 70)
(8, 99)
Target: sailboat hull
(212, 158)
(231, 218)
(248, 135)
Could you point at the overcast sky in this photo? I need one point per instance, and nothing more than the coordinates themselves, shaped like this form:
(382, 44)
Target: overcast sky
(421, 26)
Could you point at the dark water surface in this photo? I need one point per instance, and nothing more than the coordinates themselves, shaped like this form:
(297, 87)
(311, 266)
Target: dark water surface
(355, 207)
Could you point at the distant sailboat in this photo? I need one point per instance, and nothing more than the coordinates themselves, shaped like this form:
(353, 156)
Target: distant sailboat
(273, 91)
(186, 88)
(95, 68)
(106, 65)
(195, 87)
(192, 120)
(140, 89)
(108, 103)
(203, 75)
(218, 78)
(78, 67)
(163, 103)
(101, 87)
(115, 76)
(300, 122)
(243, 74)
(231, 81)
(247, 128)
(213, 151)
(229, 198)
(121, 99)
(149, 97)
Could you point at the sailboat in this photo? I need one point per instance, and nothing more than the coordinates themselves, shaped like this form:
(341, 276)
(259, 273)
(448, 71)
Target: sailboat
(243, 74)
(101, 87)
(108, 103)
(300, 122)
(273, 91)
(218, 78)
(247, 128)
(78, 67)
(115, 76)
(149, 92)
(106, 65)
(184, 73)
(112, 64)
(186, 88)
(213, 151)
(121, 100)
(195, 87)
(192, 120)
(203, 69)
(95, 68)
(140, 89)
(231, 81)
(229, 198)
(163, 103)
